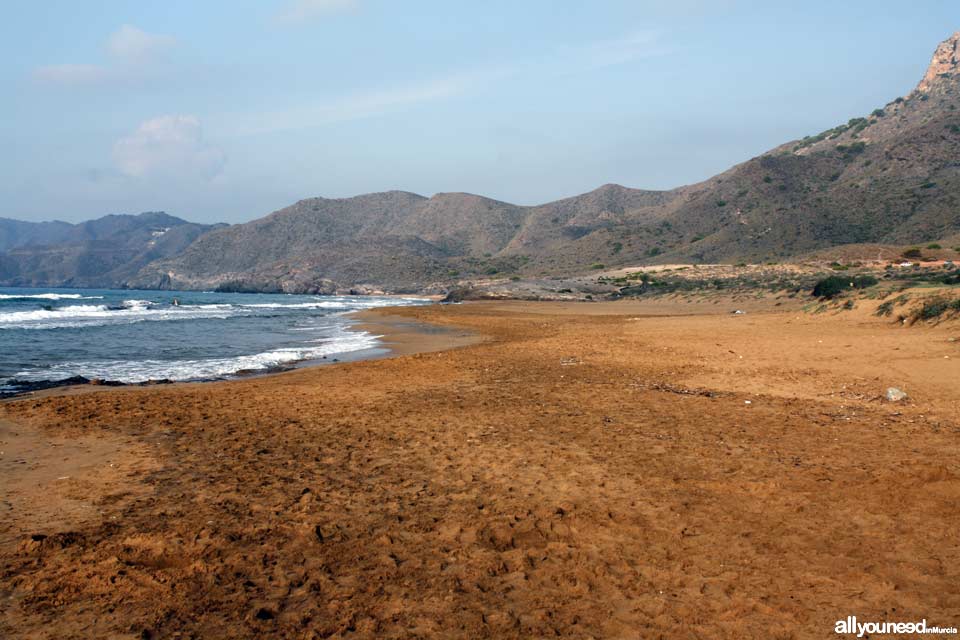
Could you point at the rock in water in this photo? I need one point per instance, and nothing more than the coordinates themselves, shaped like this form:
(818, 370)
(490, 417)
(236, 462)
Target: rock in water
(895, 395)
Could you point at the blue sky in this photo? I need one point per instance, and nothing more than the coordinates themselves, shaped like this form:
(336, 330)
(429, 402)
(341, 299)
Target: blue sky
(225, 111)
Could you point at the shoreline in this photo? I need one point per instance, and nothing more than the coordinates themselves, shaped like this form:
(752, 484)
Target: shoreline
(395, 334)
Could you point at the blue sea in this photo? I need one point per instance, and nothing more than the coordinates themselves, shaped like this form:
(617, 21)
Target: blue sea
(135, 336)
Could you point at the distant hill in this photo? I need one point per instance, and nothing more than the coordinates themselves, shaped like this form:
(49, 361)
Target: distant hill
(99, 253)
(16, 233)
(889, 177)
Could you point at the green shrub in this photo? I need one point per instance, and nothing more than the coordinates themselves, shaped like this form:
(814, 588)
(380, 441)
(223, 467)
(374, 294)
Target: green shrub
(936, 307)
(912, 253)
(878, 113)
(830, 287)
(721, 203)
(853, 149)
(934, 245)
(598, 265)
(767, 179)
(835, 285)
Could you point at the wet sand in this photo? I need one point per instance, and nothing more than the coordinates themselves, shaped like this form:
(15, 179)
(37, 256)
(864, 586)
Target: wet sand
(608, 470)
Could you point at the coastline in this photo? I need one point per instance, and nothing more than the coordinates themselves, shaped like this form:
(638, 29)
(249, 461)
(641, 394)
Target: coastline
(396, 336)
(586, 469)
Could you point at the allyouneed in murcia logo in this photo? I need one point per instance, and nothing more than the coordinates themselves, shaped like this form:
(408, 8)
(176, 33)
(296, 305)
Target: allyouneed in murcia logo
(851, 625)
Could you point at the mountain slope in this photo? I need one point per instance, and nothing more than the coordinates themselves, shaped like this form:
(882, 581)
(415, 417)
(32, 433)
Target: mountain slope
(99, 253)
(395, 240)
(892, 177)
(16, 233)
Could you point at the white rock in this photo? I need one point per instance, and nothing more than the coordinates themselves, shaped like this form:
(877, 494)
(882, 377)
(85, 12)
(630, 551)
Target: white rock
(896, 395)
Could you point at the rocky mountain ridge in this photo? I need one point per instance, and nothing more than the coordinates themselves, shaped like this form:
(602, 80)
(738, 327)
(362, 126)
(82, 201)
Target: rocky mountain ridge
(105, 252)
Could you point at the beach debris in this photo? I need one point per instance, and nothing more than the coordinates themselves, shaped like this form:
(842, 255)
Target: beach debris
(570, 362)
(737, 312)
(747, 402)
(706, 393)
(896, 395)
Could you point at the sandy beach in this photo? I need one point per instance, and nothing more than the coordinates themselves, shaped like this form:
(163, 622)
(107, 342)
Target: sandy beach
(626, 469)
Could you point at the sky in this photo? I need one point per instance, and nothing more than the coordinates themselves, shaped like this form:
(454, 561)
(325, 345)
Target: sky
(223, 111)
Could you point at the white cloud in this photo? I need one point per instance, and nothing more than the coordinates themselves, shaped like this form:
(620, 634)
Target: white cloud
(131, 44)
(133, 53)
(297, 11)
(168, 147)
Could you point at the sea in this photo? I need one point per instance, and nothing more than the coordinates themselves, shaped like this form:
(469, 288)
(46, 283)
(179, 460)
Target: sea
(130, 336)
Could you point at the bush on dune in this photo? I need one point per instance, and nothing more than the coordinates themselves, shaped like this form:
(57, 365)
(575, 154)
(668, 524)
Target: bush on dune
(835, 285)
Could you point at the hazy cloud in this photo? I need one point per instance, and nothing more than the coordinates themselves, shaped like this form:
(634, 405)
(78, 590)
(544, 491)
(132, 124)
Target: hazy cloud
(605, 53)
(297, 11)
(128, 43)
(131, 50)
(355, 106)
(168, 147)
(568, 60)
(70, 74)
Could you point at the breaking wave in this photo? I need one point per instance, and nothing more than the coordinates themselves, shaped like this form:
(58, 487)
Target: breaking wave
(128, 371)
(48, 296)
(98, 315)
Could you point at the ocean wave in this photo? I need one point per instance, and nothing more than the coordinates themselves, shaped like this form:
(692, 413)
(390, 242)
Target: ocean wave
(137, 304)
(99, 315)
(347, 304)
(48, 296)
(183, 370)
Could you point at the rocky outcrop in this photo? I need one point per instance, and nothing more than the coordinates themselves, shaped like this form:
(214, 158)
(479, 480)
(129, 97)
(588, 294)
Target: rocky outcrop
(946, 62)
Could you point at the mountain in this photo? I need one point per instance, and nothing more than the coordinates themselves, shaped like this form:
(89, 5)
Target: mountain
(888, 177)
(99, 253)
(891, 176)
(395, 240)
(16, 233)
